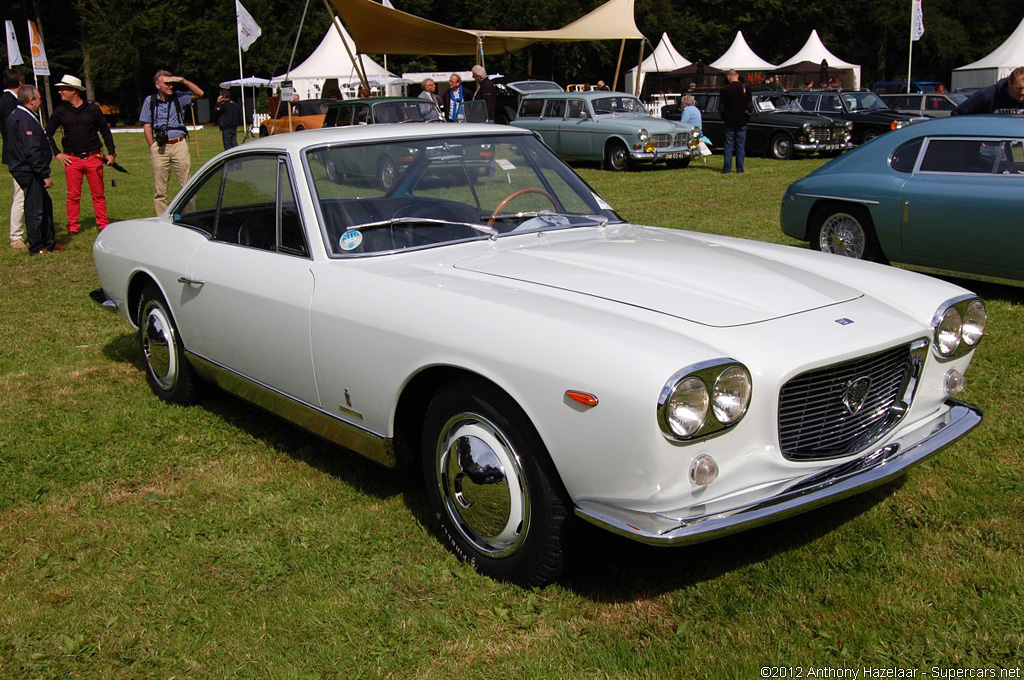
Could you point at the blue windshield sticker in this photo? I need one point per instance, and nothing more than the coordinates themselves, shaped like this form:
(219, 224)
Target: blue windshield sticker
(351, 239)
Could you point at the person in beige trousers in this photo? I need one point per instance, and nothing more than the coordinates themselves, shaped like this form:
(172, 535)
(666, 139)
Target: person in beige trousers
(163, 121)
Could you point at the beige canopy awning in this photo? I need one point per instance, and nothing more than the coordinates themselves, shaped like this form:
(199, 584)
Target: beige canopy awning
(410, 34)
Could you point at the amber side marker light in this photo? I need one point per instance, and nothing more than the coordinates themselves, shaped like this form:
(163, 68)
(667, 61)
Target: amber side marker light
(582, 397)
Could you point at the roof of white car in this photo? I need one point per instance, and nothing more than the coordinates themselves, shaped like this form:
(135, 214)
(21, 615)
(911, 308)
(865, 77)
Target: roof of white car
(374, 133)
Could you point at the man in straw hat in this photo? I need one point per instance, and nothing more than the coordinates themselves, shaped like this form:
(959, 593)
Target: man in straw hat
(83, 124)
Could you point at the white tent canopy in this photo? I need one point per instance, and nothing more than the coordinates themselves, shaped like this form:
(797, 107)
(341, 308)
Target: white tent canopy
(330, 60)
(663, 59)
(740, 57)
(815, 51)
(995, 66)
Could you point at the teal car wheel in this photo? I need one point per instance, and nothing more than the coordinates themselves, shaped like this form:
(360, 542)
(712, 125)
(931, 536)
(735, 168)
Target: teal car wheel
(846, 230)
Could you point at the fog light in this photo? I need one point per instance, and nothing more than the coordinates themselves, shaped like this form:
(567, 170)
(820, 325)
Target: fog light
(704, 470)
(649, 148)
(954, 382)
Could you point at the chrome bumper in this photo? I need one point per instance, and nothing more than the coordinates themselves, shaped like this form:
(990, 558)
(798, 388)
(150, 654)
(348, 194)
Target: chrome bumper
(823, 146)
(100, 297)
(684, 526)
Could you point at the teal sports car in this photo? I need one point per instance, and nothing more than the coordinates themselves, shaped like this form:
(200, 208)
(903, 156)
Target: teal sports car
(945, 194)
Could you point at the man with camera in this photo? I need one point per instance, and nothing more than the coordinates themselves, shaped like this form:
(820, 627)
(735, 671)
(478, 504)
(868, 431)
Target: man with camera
(163, 121)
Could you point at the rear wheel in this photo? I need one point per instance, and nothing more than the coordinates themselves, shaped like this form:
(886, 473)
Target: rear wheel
(846, 230)
(616, 156)
(168, 373)
(263, 131)
(781, 148)
(492, 486)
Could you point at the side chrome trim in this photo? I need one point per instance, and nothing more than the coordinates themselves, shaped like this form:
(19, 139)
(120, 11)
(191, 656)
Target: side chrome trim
(703, 523)
(843, 199)
(376, 447)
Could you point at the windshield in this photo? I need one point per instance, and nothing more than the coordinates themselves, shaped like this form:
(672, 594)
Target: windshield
(863, 101)
(618, 104)
(525, 86)
(777, 102)
(396, 195)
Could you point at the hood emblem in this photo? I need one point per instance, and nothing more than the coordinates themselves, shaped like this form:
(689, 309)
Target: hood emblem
(844, 321)
(855, 393)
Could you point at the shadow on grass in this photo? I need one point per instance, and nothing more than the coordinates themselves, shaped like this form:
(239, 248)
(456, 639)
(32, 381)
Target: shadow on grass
(606, 567)
(291, 440)
(611, 568)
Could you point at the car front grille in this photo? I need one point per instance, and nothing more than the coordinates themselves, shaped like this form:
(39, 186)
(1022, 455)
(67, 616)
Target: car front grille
(840, 409)
(682, 139)
(822, 134)
(661, 141)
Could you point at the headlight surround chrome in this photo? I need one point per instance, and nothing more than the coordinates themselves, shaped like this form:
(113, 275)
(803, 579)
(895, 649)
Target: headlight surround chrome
(958, 326)
(704, 399)
(695, 132)
(643, 135)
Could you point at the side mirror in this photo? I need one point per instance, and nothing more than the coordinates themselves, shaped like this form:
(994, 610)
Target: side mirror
(584, 115)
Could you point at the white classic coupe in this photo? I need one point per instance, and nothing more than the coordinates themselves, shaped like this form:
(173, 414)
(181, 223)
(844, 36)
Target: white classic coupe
(489, 320)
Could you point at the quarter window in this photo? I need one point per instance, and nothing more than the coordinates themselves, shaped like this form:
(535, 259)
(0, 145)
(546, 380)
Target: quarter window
(904, 158)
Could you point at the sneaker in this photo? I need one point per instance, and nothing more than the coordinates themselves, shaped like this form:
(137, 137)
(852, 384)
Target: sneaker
(18, 245)
(58, 247)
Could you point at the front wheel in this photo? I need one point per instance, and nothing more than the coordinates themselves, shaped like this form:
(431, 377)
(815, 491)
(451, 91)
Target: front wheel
(782, 147)
(168, 373)
(616, 156)
(264, 132)
(846, 230)
(870, 134)
(386, 172)
(492, 486)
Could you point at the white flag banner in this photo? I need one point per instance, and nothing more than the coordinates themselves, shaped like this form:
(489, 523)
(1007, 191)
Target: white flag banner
(13, 53)
(40, 66)
(387, 3)
(248, 29)
(916, 20)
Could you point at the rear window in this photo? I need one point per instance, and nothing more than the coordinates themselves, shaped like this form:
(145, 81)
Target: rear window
(531, 108)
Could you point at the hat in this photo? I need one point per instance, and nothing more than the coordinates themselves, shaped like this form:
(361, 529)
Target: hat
(71, 82)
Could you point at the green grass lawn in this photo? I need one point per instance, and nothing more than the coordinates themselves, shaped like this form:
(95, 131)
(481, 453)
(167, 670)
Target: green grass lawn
(141, 540)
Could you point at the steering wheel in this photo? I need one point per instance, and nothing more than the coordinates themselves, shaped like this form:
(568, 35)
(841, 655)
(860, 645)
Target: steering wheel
(516, 194)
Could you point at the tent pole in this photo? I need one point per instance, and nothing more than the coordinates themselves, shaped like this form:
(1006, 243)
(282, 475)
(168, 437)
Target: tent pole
(639, 69)
(358, 63)
(618, 64)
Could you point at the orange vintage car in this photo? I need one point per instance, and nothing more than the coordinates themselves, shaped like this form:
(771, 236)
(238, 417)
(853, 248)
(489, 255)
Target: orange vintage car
(306, 114)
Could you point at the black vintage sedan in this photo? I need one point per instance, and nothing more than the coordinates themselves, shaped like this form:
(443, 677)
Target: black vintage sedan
(778, 128)
(870, 115)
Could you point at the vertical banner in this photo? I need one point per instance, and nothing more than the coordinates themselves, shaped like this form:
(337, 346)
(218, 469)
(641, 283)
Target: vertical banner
(916, 20)
(40, 66)
(13, 53)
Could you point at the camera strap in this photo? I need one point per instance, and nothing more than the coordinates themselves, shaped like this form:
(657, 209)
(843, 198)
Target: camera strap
(177, 107)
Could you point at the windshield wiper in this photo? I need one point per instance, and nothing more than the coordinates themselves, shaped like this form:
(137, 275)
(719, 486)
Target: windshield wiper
(483, 228)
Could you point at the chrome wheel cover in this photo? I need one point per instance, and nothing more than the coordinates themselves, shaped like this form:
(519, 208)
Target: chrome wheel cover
(842, 234)
(783, 147)
(619, 157)
(482, 486)
(387, 173)
(159, 346)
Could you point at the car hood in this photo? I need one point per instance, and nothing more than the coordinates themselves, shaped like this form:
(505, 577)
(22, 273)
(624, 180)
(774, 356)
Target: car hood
(703, 280)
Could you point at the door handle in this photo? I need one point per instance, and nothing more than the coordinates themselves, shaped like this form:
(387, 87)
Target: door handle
(191, 282)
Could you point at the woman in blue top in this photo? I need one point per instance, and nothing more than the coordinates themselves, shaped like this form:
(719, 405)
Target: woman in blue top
(691, 114)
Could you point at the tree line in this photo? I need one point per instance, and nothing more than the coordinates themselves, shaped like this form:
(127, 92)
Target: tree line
(117, 45)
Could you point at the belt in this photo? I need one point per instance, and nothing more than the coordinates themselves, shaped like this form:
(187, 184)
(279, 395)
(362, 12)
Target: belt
(176, 140)
(84, 154)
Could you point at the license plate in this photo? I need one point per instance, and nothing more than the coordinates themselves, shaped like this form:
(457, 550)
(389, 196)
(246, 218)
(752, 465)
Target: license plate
(675, 155)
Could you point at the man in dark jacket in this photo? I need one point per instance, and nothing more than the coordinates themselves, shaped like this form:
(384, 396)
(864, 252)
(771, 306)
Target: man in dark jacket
(29, 159)
(1006, 96)
(83, 125)
(229, 117)
(485, 91)
(13, 80)
(735, 104)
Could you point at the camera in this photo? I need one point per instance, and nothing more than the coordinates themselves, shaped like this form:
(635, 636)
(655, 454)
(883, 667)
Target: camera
(160, 135)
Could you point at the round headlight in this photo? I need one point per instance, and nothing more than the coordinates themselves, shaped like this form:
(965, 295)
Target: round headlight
(687, 408)
(849, 125)
(695, 133)
(731, 395)
(975, 320)
(947, 333)
(807, 127)
(643, 135)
